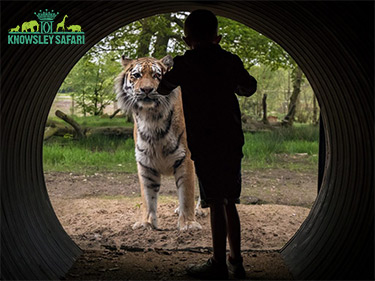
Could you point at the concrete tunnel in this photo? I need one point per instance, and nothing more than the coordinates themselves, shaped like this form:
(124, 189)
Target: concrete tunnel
(333, 42)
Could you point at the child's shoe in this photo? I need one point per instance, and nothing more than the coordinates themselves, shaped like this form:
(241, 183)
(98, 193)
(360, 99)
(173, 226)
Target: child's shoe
(210, 270)
(236, 268)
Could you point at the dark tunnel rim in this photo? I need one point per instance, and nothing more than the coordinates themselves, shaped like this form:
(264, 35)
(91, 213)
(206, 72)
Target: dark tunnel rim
(278, 20)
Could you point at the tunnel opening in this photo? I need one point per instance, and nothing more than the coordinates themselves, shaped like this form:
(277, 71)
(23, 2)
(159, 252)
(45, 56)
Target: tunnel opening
(97, 207)
(335, 241)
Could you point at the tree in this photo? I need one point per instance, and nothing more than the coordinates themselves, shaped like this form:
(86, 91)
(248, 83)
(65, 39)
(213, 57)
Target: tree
(255, 49)
(161, 34)
(251, 46)
(91, 83)
(297, 80)
(153, 36)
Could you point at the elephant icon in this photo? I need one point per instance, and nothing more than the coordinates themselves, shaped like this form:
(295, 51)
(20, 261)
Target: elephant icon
(74, 28)
(30, 25)
(15, 29)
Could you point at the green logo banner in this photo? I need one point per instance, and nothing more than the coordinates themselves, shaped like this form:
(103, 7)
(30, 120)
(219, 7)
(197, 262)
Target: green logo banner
(46, 32)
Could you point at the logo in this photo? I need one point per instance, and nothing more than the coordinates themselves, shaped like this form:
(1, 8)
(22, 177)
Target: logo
(46, 32)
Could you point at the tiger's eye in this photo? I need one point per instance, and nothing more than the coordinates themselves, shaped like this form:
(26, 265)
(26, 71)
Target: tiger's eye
(157, 76)
(137, 75)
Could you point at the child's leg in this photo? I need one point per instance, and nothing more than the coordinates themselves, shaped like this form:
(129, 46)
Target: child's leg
(216, 267)
(219, 231)
(233, 231)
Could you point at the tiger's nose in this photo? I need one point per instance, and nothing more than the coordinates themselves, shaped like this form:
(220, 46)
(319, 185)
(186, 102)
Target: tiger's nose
(147, 90)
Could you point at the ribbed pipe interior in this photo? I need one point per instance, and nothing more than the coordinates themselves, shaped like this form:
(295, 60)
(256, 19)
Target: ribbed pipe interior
(331, 41)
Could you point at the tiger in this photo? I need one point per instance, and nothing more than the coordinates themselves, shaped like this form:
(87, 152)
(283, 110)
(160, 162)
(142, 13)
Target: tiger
(159, 136)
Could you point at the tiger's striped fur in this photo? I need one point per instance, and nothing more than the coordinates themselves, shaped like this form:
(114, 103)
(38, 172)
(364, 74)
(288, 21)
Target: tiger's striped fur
(160, 138)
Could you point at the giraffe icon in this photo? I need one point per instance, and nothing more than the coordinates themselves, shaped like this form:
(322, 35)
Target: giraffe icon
(61, 24)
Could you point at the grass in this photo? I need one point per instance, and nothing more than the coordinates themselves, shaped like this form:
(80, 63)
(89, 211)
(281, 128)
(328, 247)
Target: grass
(291, 148)
(273, 149)
(90, 155)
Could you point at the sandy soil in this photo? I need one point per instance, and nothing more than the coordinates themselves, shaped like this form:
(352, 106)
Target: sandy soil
(97, 211)
(167, 265)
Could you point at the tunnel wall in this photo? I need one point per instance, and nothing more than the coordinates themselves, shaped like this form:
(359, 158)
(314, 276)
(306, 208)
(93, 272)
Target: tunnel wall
(331, 41)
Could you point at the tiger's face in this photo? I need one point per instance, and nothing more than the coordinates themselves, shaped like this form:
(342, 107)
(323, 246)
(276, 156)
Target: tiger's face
(136, 86)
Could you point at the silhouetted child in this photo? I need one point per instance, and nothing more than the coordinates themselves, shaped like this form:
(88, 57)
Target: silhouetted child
(209, 77)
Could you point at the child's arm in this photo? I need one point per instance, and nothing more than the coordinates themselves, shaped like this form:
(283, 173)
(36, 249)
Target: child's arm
(170, 80)
(246, 84)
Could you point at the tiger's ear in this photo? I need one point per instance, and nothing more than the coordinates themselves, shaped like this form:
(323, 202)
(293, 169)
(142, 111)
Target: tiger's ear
(167, 61)
(125, 61)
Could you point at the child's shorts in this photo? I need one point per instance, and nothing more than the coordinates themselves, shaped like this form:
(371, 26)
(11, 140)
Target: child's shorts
(219, 181)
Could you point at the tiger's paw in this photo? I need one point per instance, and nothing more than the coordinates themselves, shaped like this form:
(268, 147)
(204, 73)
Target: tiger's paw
(199, 212)
(145, 225)
(190, 225)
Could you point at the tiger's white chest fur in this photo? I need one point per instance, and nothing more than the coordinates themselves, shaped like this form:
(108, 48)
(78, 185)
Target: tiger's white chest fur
(158, 144)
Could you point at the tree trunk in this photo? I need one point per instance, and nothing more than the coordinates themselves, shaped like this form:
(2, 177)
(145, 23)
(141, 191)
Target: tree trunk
(297, 80)
(162, 39)
(288, 119)
(264, 103)
(144, 39)
(161, 45)
(315, 112)
(56, 129)
(83, 105)
(124, 132)
(77, 128)
(96, 94)
(287, 94)
(49, 132)
(60, 130)
(72, 107)
(114, 113)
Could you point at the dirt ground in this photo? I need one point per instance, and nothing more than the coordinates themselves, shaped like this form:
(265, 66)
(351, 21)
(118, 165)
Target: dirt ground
(97, 211)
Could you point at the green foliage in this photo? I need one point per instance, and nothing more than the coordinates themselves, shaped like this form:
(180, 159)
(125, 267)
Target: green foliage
(270, 82)
(153, 36)
(91, 80)
(275, 70)
(161, 34)
(91, 83)
(251, 46)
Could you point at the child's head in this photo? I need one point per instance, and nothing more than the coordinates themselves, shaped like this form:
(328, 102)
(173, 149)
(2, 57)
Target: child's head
(201, 28)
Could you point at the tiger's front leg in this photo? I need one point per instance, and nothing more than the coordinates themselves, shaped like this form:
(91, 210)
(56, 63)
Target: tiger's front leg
(149, 180)
(184, 176)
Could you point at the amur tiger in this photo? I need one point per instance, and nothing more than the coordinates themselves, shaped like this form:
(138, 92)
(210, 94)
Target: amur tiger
(160, 138)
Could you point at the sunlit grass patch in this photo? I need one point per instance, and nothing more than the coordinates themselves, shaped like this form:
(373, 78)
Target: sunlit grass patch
(89, 155)
(292, 148)
(264, 149)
